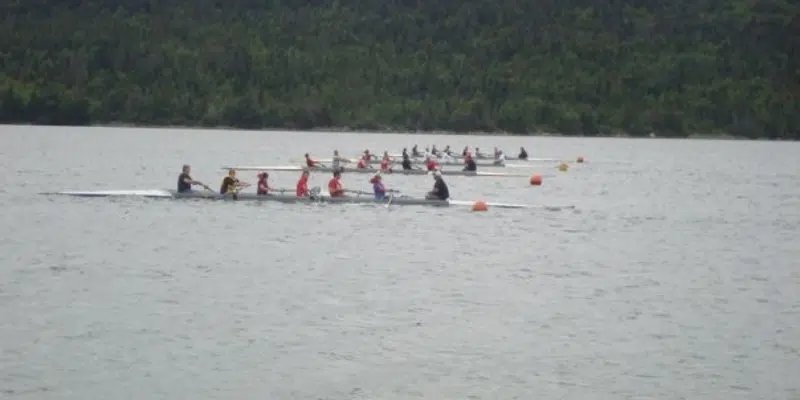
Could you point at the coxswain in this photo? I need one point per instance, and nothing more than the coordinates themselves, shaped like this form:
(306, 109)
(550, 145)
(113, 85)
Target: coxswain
(335, 188)
(430, 164)
(415, 151)
(302, 184)
(469, 163)
(309, 162)
(230, 184)
(465, 151)
(185, 180)
(440, 191)
(377, 187)
(523, 155)
(500, 158)
(385, 161)
(263, 186)
(406, 162)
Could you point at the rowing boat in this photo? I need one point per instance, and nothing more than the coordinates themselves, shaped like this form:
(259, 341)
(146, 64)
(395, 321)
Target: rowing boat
(417, 161)
(384, 171)
(283, 198)
(482, 157)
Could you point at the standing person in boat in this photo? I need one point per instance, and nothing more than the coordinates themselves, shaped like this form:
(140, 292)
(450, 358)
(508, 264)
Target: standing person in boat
(335, 188)
(440, 190)
(185, 180)
(523, 155)
(377, 187)
(230, 184)
(430, 164)
(309, 162)
(263, 186)
(406, 162)
(500, 158)
(302, 184)
(469, 163)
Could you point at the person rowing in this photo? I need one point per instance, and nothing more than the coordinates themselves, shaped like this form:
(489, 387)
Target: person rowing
(335, 188)
(302, 184)
(446, 158)
(230, 184)
(469, 163)
(478, 153)
(523, 155)
(406, 162)
(495, 153)
(377, 187)
(336, 162)
(465, 151)
(309, 162)
(185, 181)
(415, 151)
(430, 163)
(500, 158)
(434, 151)
(440, 190)
(363, 162)
(385, 161)
(262, 188)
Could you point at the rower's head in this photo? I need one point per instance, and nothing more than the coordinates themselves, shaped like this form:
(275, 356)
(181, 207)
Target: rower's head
(337, 174)
(186, 168)
(306, 155)
(231, 172)
(336, 152)
(436, 174)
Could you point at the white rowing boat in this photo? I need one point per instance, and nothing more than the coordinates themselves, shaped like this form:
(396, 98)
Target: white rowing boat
(281, 198)
(289, 168)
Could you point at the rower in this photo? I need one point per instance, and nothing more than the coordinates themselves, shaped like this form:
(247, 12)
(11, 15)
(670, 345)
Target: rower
(185, 180)
(377, 187)
(523, 155)
(447, 150)
(434, 151)
(495, 153)
(406, 162)
(445, 158)
(368, 155)
(309, 162)
(469, 163)
(465, 151)
(335, 188)
(430, 163)
(263, 187)
(500, 158)
(363, 162)
(415, 151)
(302, 184)
(478, 153)
(337, 161)
(440, 191)
(385, 161)
(230, 184)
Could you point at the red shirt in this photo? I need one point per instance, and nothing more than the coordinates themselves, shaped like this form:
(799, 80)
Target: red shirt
(361, 163)
(335, 188)
(385, 163)
(263, 187)
(302, 186)
(431, 165)
(310, 162)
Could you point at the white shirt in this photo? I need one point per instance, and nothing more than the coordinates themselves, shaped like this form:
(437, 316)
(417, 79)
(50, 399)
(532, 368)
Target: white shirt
(501, 158)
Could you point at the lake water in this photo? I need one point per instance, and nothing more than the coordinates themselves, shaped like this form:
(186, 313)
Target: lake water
(676, 277)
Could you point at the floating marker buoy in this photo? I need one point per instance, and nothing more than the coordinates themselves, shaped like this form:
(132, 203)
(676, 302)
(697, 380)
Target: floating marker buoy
(479, 205)
(536, 180)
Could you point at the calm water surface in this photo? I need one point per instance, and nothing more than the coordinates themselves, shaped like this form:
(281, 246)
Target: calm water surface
(676, 276)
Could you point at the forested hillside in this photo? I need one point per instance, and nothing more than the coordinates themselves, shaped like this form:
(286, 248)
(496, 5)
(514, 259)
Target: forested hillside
(573, 66)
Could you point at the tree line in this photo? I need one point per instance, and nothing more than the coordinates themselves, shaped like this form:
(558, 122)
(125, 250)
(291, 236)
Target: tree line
(570, 66)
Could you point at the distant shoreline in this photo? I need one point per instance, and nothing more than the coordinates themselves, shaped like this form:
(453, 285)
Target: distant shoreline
(694, 136)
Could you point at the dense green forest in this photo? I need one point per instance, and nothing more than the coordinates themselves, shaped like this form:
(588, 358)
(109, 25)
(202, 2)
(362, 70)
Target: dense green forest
(572, 66)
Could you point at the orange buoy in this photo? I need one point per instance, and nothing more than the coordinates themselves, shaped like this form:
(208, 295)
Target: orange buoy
(536, 180)
(479, 205)
(580, 159)
(563, 167)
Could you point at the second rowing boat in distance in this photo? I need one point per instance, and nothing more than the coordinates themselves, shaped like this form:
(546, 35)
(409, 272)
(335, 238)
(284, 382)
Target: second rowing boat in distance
(385, 171)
